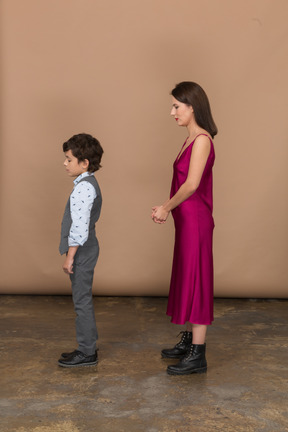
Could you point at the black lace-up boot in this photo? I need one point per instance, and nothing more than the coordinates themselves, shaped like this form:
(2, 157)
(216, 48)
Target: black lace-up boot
(193, 362)
(181, 348)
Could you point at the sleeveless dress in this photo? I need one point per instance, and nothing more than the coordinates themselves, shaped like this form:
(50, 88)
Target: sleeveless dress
(191, 288)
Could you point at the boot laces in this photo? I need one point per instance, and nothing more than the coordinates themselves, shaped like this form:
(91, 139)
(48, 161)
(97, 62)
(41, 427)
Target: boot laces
(189, 353)
(183, 338)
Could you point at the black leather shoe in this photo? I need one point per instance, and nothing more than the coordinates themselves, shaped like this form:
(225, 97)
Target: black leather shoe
(193, 362)
(181, 348)
(79, 359)
(66, 354)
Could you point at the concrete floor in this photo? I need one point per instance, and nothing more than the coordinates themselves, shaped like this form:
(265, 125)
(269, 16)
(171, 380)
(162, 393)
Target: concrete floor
(245, 388)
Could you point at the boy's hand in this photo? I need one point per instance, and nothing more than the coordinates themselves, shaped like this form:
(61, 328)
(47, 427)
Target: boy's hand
(68, 265)
(69, 260)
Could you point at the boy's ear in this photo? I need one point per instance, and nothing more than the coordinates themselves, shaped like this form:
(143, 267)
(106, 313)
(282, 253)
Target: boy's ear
(85, 164)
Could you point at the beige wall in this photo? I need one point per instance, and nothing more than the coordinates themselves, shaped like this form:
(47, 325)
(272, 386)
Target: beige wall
(107, 68)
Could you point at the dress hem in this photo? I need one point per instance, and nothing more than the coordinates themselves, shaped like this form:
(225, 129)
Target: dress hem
(194, 322)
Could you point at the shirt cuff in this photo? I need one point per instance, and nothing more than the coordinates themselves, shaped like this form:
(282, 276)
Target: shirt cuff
(73, 243)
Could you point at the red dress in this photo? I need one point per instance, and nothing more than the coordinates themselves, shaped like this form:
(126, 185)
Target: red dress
(191, 288)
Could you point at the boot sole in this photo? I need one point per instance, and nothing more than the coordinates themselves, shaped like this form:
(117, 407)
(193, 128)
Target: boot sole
(199, 371)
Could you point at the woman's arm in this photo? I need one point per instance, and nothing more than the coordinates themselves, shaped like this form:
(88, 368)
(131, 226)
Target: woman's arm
(198, 160)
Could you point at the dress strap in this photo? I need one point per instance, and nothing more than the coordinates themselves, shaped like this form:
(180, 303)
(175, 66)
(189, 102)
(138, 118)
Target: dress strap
(179, 154)
(182, 151)
(200, 135)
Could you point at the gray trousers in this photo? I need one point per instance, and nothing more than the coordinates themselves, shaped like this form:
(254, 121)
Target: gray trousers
(82, 278)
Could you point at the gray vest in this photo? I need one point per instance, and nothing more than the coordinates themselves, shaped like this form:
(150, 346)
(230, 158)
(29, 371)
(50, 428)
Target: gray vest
(67, 220)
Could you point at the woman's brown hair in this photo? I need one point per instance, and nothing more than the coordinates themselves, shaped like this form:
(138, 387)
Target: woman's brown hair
(190, 93)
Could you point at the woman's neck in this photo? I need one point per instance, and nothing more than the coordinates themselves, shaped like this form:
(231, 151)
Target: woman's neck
(193, 131)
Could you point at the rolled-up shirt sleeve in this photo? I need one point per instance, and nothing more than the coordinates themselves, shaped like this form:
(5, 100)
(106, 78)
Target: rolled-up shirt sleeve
(81, 201)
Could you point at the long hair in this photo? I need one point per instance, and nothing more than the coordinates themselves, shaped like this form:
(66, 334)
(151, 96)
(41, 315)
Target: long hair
(190, 93)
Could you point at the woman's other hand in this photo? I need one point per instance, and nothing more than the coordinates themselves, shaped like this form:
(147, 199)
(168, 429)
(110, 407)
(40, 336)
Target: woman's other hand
(159, 214)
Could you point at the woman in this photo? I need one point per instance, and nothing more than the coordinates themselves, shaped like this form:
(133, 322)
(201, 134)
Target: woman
(191, 289)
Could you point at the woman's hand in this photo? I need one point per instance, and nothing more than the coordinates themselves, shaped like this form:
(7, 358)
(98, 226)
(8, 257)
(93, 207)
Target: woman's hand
(159, 214)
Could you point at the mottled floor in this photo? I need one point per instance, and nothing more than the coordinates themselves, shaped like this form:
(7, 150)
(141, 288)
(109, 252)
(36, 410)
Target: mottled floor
(245, 388)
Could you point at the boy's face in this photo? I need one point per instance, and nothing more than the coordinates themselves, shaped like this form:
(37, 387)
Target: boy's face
(73, 167)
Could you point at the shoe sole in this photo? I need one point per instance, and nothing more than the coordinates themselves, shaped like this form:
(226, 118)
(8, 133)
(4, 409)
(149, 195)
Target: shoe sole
(78, 365)
(199, 371)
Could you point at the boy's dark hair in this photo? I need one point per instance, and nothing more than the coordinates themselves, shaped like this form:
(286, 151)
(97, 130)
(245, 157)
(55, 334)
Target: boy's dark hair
(190, 93)
(84, 146)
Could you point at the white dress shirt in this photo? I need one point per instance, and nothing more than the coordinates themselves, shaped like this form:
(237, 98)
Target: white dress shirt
(81, 201)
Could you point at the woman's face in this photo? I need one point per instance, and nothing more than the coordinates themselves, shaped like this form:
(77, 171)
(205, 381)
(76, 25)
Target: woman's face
(182, 113)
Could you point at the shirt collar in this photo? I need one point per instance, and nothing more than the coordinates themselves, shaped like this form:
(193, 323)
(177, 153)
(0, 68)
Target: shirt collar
(81, 176)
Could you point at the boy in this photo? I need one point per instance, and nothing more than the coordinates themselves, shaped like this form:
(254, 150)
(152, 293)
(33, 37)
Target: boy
(83, 155)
